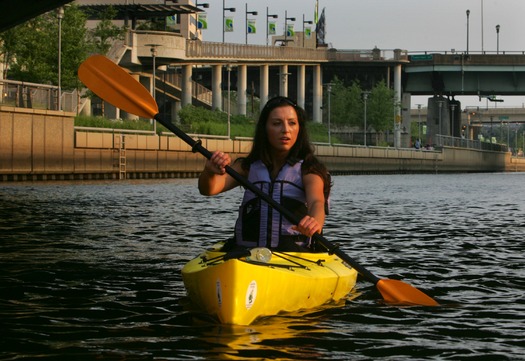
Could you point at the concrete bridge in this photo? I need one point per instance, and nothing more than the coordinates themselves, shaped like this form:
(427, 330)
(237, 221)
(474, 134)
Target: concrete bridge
(192, 71)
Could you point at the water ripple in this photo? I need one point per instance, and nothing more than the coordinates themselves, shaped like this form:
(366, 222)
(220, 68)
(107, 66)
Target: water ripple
(92, 270)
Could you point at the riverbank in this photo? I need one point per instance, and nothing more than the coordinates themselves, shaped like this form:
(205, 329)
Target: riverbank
(45, 145)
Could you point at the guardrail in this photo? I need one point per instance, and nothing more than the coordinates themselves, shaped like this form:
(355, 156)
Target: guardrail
(36, 96)
(448, 141)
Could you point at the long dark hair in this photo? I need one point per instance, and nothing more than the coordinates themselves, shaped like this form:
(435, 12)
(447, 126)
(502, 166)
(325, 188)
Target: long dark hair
(302, 149)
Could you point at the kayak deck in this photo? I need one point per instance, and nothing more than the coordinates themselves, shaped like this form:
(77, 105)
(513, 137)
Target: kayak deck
(240, 290)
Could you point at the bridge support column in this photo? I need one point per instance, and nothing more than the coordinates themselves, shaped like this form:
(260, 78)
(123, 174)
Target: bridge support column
(242, 75)
(301, 80)
(406, 122)
(264, 84)
(187, 72)
(317, 114)
(216, 91)
(283, 84)
(397, 106)
(130, 116)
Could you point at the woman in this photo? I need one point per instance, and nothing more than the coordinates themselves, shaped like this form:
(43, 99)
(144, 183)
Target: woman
(282, 164)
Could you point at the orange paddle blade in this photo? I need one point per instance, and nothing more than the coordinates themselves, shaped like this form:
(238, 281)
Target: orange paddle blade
(114, 85)
(400, 293)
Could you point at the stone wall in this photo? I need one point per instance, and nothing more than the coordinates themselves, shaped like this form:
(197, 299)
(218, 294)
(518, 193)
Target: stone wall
(45, 145)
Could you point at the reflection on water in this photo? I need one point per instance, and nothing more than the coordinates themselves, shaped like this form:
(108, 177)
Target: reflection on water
(92, 270)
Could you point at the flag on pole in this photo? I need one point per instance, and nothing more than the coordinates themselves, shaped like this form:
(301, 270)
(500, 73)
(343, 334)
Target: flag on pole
(202, 21)
(316, 11)
(308, 32)
(228, 24)
(251, 28)
(271, 28)
(320, 30)
(290, 31)
(171, 21)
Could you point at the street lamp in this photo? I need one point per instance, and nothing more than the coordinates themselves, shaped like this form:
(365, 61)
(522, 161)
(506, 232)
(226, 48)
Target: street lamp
(248, 13)
(497, 37)
(286, 18)
(60, 16)
(224, 9)
(419, 122)
(153, 49)
(365, 97)
(468, 14)
(273, 16)
(329, 89)
(203, 5)
(306, 22)
(440, 106)
(453, 109)
(229, 69)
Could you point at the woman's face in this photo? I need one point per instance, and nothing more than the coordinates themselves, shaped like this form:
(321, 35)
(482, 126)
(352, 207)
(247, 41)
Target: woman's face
(282, 128)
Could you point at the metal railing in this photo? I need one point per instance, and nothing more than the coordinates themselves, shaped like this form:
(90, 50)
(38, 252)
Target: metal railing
(37, 96)
(448, 141)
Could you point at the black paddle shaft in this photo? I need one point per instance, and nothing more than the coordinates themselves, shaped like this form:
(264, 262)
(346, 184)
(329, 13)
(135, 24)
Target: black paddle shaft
(196, 146)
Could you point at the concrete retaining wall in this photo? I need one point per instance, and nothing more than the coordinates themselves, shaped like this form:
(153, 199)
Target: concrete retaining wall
(45, 145)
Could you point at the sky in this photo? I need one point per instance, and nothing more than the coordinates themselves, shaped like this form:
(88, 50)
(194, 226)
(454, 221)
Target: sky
(412, 25)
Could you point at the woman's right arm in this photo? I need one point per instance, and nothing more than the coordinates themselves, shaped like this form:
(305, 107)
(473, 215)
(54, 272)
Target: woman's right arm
(214, 179)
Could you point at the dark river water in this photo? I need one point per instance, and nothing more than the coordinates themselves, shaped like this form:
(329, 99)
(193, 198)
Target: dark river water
(91, 271)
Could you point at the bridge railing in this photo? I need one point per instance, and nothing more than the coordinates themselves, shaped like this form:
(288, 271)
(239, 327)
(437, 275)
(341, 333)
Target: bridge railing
(202, 49)
(448, 141)
(22, 94)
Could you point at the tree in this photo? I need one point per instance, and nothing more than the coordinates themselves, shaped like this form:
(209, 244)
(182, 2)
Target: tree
(355, 104)
(105, 31)
(31, 49)
(345, 103)
(380, 107)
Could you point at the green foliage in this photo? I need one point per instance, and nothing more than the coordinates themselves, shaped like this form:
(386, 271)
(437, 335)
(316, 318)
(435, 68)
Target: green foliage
(202, 121)
(101, 122)
(31, 49)
(105, 31)
(380, 107)
(347, 105)
(199, 120)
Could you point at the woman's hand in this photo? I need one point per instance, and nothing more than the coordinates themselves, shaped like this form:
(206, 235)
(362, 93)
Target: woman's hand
(217, 163)
(308, 226)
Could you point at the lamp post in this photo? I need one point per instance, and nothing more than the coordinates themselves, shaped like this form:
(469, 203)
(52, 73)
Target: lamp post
(440, 106)
(365, 97)
(229, 69)
(286, 18)
(153, 49)
(273, 16)
(516, 141)
(329, 89)
(306, 22)
(451, 126)
(224, 9)
(248, 13)
(419, 122)
(497, 39)
(60, 16)
(468, 14)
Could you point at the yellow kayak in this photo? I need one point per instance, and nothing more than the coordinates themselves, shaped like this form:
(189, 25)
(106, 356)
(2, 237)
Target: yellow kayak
(240, 288)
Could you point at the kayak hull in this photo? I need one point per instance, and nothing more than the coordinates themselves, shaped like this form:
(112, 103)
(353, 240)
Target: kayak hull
(240, 290)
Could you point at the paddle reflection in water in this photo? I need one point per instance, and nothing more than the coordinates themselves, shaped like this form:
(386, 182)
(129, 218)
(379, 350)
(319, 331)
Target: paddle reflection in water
(92, 270)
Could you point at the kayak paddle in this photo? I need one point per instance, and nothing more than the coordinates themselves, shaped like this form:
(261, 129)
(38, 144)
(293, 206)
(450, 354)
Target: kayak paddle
(114, 85)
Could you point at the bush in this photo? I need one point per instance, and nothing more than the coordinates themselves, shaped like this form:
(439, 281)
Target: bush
(215, 122)
(199, 120)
